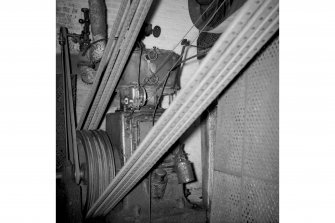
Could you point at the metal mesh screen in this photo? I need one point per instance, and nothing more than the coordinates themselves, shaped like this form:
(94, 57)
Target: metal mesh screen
(246, 155)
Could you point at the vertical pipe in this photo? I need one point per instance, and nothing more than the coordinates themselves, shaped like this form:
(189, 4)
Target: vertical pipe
(98, 19)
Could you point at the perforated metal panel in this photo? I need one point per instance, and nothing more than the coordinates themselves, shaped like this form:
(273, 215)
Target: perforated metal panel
(231, 128)
(246, 154)
(227, 198)
(259, 201)
(261, 118)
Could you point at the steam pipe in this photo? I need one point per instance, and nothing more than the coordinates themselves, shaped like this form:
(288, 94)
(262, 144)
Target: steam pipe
(98, 19)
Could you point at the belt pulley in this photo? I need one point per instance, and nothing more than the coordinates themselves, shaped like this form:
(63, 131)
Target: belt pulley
(98, 163)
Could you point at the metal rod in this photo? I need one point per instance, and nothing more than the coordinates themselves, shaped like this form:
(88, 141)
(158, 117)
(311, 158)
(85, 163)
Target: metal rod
(219, 67)
(69, 154)
(66, 68)
(71, 128)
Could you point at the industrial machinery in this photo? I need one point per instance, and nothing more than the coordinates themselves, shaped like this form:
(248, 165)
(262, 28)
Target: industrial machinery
(136, 169)
(101, 154)
(161, 193)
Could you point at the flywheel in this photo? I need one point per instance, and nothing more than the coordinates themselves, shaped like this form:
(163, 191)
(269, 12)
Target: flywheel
(99, 163)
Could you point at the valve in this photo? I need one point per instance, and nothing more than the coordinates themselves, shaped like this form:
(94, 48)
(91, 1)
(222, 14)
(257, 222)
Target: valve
(84, 38)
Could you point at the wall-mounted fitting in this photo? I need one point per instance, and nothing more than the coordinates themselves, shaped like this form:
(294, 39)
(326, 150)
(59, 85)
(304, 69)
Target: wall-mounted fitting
(148, 30)
(84, 38)
(156, 32)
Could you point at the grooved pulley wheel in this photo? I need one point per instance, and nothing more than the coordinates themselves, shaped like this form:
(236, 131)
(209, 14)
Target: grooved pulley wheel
(98, 164)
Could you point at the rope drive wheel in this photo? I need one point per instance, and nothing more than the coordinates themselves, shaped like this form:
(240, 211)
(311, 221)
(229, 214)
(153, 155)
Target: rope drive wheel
(98, 164)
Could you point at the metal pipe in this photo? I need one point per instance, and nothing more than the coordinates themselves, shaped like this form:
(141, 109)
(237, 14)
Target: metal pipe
(98, 19)
(246, 34)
